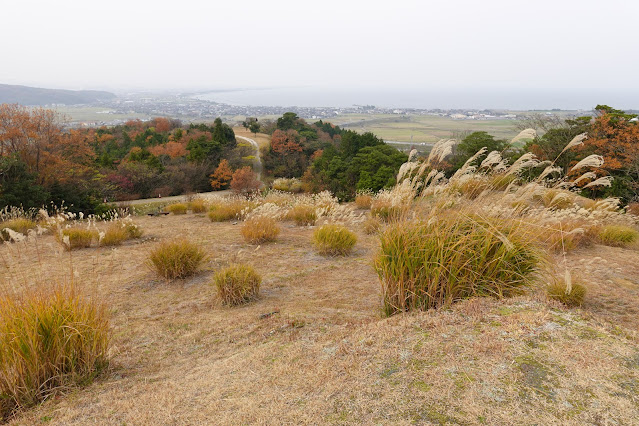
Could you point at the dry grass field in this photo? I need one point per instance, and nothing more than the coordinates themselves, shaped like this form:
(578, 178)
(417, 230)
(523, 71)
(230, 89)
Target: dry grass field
(315, 349)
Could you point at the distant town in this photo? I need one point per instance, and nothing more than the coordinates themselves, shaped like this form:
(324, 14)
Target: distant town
(188, 108)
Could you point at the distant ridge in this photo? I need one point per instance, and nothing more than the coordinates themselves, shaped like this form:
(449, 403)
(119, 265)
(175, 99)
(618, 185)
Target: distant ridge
(37, 96)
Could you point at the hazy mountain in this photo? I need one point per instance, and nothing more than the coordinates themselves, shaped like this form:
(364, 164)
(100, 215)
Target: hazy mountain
(37, 96)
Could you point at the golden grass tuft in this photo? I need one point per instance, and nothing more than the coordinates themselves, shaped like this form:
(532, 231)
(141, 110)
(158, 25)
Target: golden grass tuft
(198, 206)
(76, 238)
(386, 211)
(260, 229)
(371, 225)
(176, 259)
(115, 235)
(557, 290)
(618, 235)
(423, 265)
(237, 284)
(178, 208)
(20, 224)
(363, 201)
(134, 231)
(334, 240)
(223, 211)
(303, 215)
(50, 339)
(471, 187)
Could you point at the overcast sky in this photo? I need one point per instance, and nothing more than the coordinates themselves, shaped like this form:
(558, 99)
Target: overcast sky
(190, 44)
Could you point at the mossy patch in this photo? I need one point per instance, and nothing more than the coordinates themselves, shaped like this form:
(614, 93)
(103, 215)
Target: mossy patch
(536, 377)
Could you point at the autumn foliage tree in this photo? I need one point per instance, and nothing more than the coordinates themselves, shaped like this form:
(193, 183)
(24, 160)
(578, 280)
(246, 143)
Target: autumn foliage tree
(614, 135)
(245, 181)
(222, 176)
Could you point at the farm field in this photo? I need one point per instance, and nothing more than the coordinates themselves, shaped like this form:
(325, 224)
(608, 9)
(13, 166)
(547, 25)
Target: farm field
(422, 128)
(315, 349)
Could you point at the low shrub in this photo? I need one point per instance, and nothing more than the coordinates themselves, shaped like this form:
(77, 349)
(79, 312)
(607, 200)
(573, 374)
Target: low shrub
(50, 339)
(115, 235)
(176, 259)
(237, 284)
(303, 215)
(178, 208)
(260, 229)
(21, 225)
(423, 265)
(77, 238)
(198, 206)
(618, 235)
(363, 201)
(232, 210)
(569, 296)
(334, 240)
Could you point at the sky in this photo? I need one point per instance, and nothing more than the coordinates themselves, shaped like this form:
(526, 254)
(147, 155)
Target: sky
(194, 45)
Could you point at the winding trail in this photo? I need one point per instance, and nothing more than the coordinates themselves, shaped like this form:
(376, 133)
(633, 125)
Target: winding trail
(258, 160)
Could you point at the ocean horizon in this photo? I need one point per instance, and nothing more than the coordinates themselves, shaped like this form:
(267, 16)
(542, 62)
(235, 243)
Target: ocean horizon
(499, 99)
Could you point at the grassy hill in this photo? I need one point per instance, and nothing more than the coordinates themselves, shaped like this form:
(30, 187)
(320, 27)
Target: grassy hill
(25, 95)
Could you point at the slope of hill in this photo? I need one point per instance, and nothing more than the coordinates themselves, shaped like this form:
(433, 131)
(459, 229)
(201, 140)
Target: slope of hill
(37, 96)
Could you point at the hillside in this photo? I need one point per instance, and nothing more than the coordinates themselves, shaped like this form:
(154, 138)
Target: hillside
(314, 348)
(25, 95)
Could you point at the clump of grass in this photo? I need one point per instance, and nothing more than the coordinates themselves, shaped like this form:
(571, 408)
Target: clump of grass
(472, 186)
(363, 201)
(115, 235)
(334, 240)
(292, 185)
(618, 235)
(237, 284)
(424, 265)
(198, 206)
(20, 224)
(75, 238)
(386, 211)
(50, 339)
(556, 199)
(571, 294)
(134, 231)
(176, 259)
(178, 208)
(633, 208)
(223, 211)
(371, 225)
(303, 214)
(260, 229)
(500, 182)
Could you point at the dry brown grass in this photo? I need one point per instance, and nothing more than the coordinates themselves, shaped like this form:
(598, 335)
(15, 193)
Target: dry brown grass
(364, 201)
(314, 350)
(76, 237)
(260, 229)
(303, 215)
(237, 284)
(176, 259)
(178, 208)
(198, 206)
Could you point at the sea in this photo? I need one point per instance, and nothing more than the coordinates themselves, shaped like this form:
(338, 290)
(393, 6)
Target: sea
(477, 99)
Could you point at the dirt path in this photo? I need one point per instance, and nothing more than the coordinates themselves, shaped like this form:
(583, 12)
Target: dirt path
(258, 160)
